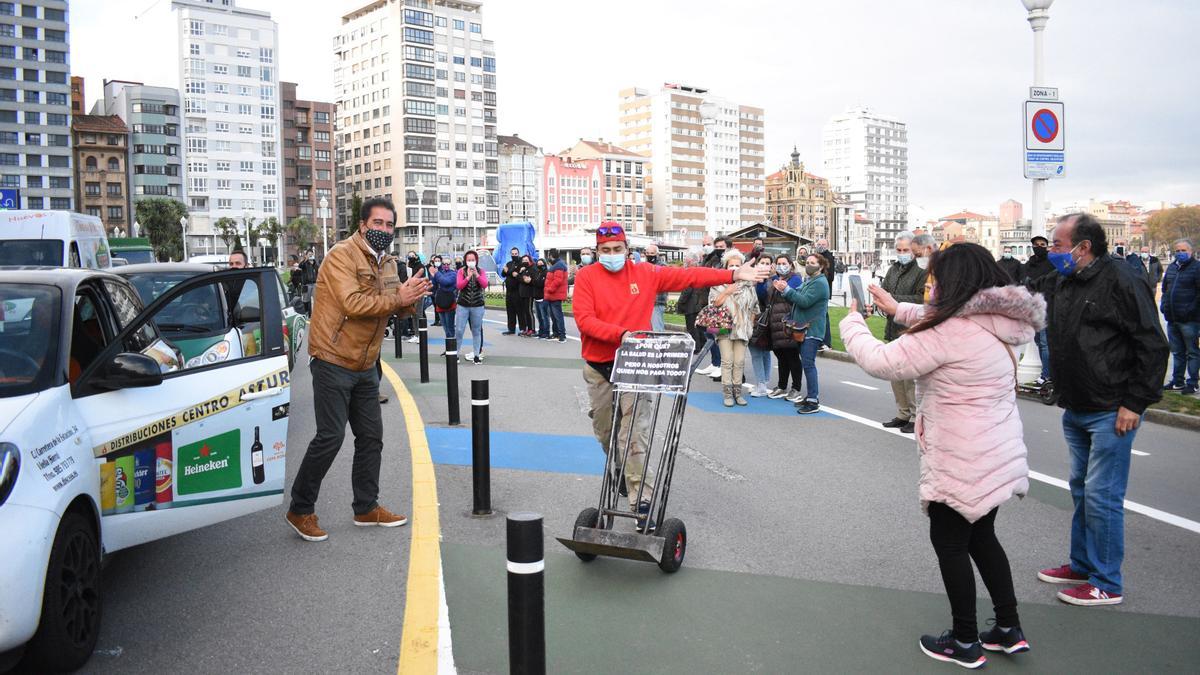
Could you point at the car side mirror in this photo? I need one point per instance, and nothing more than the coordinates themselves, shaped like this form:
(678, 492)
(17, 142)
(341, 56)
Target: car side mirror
(129, 369)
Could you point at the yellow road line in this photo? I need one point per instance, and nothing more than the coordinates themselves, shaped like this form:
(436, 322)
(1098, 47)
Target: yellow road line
(419, 639)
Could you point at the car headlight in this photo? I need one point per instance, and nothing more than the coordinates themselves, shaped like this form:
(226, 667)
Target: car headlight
(10, 466)
(214, 354)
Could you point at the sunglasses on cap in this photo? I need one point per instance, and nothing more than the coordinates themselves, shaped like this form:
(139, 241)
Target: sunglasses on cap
(610, 230)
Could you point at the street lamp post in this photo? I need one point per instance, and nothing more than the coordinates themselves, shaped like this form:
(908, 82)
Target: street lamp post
(708, 117)
(183, 225)
(324, 206)
(420, 231)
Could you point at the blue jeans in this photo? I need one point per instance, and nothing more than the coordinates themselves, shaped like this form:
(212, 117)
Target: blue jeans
(761, 360)
(1099, 476)
(543, 317)
(473, 317)
(447, 323)
(1185, 352)
(554, 307)
(808, 360)
(656, 319)
(710, 345)
(1043, 346)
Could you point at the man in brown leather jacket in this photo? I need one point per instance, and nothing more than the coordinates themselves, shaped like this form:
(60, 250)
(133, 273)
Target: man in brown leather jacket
(358, 289)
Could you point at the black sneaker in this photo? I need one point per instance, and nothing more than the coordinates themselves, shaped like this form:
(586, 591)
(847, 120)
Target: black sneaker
(908, 428)
(1188, 391)
(508, 332)
(1010, 642)
(1171, 386)
(895, 423)
(643, 512)
(808, 406)
(946, 648)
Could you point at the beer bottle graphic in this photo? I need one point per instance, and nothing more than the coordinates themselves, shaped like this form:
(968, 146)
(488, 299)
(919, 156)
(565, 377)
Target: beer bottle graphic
(256, 460)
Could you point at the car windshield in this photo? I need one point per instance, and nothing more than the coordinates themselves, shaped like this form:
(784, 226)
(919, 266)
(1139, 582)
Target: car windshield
(44, 252)
(135, 257)
(195, 312)
(29, 330)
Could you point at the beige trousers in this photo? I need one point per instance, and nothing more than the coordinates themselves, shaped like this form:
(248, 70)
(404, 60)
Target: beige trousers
(600, 393)
(905, 392)
(733, 360)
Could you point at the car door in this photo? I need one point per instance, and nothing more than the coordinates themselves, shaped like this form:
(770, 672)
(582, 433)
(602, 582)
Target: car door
(206, 443)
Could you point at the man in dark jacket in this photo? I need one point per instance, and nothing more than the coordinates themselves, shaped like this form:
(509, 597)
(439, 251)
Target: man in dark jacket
(1181, 309)
(905, 281)
(1148, 266)
(512, 290)
(1109, 357)
(823, 250)
(1038, 267)
(1011, 265)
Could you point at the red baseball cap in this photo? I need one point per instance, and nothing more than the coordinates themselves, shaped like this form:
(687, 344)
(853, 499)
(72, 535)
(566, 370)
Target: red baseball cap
(609, 231)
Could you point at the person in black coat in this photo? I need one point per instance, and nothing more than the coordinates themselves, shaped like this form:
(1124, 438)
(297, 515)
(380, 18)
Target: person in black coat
(526, 294)
(823, 249)
(1011, 266)
(1148, 266)
(512, 288)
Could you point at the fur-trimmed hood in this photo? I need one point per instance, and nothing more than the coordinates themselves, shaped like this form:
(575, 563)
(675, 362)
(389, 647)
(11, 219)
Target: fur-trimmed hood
(1011, 313)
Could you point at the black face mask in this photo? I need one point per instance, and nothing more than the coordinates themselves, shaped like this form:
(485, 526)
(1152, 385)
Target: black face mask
(516, 258)
(1039, 251)
(652, 258)
(379, 240)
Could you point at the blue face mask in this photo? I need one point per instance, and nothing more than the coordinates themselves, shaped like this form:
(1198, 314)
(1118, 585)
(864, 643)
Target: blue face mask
(613, 263)
(1182, 256)
(585, 260)
(1063, 262)
(904, 258)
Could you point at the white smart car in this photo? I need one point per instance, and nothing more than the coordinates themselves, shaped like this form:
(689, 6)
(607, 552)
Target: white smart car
(108, 439)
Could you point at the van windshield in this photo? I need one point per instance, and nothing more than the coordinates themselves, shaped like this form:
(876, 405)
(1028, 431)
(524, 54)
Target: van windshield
(43, 252)
(29, 316)
(135, 257)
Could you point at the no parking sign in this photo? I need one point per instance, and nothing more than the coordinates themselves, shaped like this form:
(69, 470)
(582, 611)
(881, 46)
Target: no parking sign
(1045, 139)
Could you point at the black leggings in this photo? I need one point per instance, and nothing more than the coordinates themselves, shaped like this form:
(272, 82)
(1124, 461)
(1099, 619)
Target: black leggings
(958, 542)
(789, 364)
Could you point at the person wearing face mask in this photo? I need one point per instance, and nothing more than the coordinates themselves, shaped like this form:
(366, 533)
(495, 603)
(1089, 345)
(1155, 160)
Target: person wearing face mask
(512, 291)
(741, 301)
(1109, 358)
(759, 344)
(612, 299)
(555, 292)
(1181, 308)
(445, 295)
(1039, 277)
(358, 289)
(810, 307)
(779, 313)
(822, 248)
(471, 283)
(657, 321)
(905, 281)
(1147, 266)
(586, 256)
(540, 309)
(1011, 265)
(526, 272)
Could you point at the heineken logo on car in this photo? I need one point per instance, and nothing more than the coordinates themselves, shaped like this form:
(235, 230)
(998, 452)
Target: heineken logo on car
(210, 464)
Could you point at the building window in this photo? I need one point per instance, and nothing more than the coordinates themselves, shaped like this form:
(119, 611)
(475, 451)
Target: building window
(116, 213)
(60, 203)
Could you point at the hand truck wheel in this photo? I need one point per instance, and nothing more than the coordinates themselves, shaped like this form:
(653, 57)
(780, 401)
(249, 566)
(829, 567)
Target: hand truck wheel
(675, 547)
(588, 517)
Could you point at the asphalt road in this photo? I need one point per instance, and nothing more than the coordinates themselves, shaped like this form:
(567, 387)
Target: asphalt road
(808, 550)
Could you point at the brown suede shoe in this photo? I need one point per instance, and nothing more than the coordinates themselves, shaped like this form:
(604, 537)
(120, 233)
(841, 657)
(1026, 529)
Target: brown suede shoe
(305, 525)
(381, 517)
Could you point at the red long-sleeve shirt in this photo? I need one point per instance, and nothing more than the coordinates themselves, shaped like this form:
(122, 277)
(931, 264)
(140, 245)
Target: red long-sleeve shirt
(607, 304)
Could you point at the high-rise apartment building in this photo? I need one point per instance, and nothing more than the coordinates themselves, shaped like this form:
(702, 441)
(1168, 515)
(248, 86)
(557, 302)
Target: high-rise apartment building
(520, 181)
(416, 102)
(101, 144)
(152, 115)
(574, 198)
(624, 182)
(706, 160)
(307, 158)
(35, 106)
(229, 71)
(865, 158)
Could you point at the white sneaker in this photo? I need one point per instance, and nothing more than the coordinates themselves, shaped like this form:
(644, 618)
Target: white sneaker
(759, 391)
(470, 356)
(747, 385)
(413, 340)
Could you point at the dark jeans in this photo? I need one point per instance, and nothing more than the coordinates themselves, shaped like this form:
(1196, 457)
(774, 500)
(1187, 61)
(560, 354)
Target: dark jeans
(1043, 346)
(543, 316)
(512, 305)
(1184, 338)
(341, 395)
(958, 542)
(554, 308)
(525, 314)
(789, 364)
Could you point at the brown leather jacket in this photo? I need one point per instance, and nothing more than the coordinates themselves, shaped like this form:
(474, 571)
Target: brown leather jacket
(354, 298)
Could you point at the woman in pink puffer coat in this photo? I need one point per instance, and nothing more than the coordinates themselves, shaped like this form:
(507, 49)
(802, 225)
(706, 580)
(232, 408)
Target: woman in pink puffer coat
(959, 349)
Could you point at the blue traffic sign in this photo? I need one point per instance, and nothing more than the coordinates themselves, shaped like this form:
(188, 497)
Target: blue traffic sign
(1045, 125)
(10, 198)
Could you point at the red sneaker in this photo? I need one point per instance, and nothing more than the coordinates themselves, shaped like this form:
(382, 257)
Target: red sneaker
(1088, 595)
(1062, 575)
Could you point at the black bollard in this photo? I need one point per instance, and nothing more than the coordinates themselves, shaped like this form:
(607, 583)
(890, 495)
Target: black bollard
(526, 595)
(481, 460)
(423, 348)
(397, 339)
(452, 380)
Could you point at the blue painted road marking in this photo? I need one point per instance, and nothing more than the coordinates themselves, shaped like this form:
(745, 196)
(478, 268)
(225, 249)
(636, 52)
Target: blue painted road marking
(714, 402)
(511, 450)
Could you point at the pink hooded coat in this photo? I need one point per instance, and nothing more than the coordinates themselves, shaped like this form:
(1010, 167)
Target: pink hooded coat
(968, 429)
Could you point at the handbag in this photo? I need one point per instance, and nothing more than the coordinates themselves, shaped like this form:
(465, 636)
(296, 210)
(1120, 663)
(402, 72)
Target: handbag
(715, 318)
(799, 332)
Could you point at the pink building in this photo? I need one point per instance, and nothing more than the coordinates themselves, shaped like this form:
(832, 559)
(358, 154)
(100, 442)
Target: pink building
(573, 194)
(1010, 212)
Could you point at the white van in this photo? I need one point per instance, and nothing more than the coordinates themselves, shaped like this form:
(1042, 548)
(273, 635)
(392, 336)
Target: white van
(53, 239)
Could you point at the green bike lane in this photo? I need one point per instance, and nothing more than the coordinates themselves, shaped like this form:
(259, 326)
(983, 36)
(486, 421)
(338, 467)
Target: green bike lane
(807, 550)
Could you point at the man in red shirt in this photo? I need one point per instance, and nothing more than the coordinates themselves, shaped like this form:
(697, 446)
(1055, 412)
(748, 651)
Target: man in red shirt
(612, 299)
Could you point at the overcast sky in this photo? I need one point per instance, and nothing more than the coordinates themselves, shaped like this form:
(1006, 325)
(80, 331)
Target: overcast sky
(955, 71)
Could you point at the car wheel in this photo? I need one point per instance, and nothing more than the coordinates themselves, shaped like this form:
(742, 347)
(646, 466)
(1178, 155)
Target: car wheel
(70, 622)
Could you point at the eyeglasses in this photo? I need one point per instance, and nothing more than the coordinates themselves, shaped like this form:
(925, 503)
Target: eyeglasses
(610, 230)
